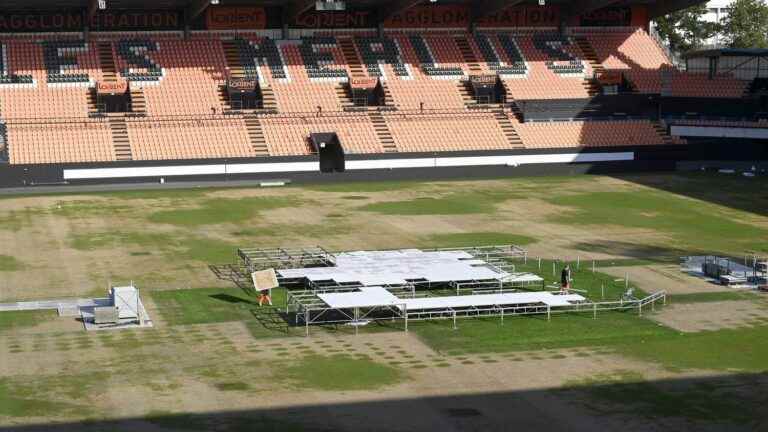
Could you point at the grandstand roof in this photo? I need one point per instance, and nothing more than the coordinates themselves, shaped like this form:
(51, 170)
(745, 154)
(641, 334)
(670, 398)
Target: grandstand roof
(195, 7)
(728, 52)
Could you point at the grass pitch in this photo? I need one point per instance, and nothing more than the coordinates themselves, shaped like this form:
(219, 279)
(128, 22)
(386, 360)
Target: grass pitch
(218, 361)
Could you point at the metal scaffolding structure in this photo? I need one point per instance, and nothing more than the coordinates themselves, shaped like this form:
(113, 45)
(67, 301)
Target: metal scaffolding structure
(359, 287)
(256, 259)
(310, 309)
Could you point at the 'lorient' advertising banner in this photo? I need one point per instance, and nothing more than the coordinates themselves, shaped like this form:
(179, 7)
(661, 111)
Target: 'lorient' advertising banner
(235, 18)
(336, 19)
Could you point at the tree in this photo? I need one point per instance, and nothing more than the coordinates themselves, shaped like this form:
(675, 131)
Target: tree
(746, 25)
(686, 29)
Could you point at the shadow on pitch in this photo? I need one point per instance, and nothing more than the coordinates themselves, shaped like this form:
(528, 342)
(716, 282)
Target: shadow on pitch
(614, 401)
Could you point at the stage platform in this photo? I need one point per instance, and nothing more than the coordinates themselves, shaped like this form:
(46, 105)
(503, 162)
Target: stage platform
(368, 297)
(359, 287)
(400, 267)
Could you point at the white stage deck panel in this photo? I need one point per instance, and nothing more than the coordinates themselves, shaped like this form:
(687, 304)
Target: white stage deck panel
(379, 297)
(396, 267)
(366, 297)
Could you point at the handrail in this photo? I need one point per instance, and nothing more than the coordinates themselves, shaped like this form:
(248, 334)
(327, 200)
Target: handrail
(480, 109)
(673, 57)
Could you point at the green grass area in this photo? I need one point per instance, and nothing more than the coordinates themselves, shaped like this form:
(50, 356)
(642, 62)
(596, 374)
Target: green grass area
(13, 404)
(693, 224)
(219, 210)
(9, 263)
(534, 332)
(596, 286)
(711, 297)
(724, 400)
(338, 373)
(453, 204)
(210, 305)
(18, 319)
(744, 350)
(205, 249)
(362, 187)
(86, 208)
(476, 239)
(49, 395)
(154, 194)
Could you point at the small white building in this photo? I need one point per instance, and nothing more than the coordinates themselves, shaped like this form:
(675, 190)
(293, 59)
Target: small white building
(126, 300)
(716, 11)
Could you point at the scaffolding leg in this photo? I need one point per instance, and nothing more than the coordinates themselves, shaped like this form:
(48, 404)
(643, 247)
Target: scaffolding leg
(640, 309)
(502, 316)
(306, 322)
(454, 320)
(405, 313)
(549, 312)
(357, 314)
(594, 311)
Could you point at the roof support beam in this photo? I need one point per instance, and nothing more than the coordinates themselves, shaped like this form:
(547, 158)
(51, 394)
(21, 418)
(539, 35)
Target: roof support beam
(396, 7)
(581, 7)
(658, 9)
(195, 8)
(93, 7)
(292, 10)
(486, 8)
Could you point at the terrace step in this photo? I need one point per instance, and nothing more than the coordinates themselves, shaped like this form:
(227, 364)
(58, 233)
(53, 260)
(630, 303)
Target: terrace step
(382, 132)
(120, 140)
(468, 54)
(508, 129)
(256, 135)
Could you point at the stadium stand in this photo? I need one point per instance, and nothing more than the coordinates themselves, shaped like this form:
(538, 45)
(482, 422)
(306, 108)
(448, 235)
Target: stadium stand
(646, 66)
(590, 133)
(174, 95)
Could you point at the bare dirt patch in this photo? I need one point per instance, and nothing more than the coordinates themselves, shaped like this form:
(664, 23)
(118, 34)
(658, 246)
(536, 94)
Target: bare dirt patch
(665, 277)
(694, 317)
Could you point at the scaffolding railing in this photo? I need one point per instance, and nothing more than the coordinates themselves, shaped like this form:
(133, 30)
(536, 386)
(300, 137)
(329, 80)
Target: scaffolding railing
(255, 259)
(310, 309)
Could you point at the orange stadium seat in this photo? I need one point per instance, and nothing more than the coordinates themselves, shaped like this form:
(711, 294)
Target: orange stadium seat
(182, 82)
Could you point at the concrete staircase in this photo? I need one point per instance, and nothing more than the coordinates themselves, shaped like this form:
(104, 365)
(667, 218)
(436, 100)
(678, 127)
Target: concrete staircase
(342, 93)
(357, 70)
(256, 134)
(236, 70)
(232, 55)
(4, 153)
(107, 61)
(466, 93)
(661, 129)
(382, 132)
(666, 82)
(138, 101)
(120, 141)
(109, 72)
(589, 53)
(351, 56)
(468, 54)
(509, 129)
(268, 100)
(118, 128)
